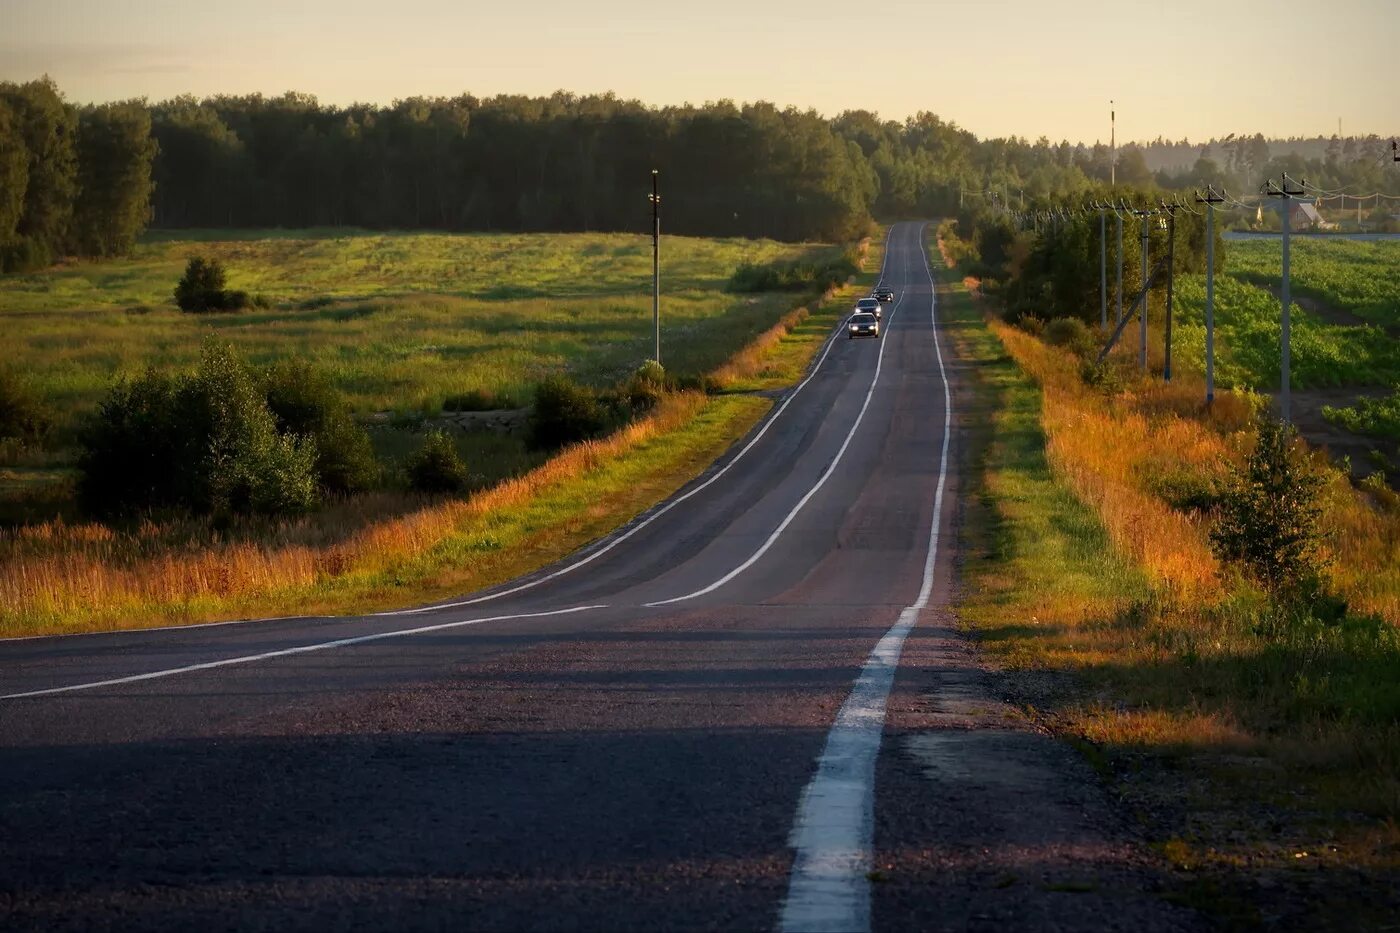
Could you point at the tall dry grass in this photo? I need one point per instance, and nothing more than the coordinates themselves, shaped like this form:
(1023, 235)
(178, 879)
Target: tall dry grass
(1117, 451)
(55, 574)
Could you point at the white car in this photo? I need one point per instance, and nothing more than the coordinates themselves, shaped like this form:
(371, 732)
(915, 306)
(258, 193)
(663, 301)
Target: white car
(863, 324)
(869, 306)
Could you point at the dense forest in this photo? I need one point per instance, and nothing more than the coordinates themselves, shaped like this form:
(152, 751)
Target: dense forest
(86, 180)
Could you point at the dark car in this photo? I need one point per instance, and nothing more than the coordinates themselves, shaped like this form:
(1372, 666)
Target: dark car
(863, 324)
(869, 306)
(884, 294)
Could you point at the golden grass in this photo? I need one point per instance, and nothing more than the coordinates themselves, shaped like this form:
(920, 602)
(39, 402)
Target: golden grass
(66, 572)
(1110, 449)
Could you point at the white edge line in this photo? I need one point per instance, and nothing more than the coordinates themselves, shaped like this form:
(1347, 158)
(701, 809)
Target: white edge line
(833, 832)
(831, 468)
(302, 649)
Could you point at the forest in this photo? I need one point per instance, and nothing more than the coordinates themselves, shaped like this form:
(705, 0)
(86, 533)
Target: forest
(86, 180)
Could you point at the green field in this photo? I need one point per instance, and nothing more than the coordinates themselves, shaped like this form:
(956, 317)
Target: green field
(1354, 276)
(1341, 328)
(401, 321)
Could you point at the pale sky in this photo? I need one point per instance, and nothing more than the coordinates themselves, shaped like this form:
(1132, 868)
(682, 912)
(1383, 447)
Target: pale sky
(1192, 68)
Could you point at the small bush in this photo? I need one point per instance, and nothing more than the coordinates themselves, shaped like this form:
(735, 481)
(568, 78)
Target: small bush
(645, 387)
(204, 442)
(1103, 376)
(435, 467)
(23, 415)
(305, 403)
(202, 290)
(1071, 334)
(1269, 517)
(565, 413)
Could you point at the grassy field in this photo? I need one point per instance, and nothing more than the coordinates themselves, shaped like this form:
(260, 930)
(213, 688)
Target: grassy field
(1263, 764)
(402, 321)
(1354, 276)
(389, 549)
(1341, 327)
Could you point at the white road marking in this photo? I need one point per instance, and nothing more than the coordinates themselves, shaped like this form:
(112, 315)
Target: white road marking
(833, 834)
(831, 468)
(303, 649)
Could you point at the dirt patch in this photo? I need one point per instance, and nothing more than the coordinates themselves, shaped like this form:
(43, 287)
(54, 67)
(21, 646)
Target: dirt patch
(1343, 445)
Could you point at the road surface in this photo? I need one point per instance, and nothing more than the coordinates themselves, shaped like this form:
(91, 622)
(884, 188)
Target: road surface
(695, 724)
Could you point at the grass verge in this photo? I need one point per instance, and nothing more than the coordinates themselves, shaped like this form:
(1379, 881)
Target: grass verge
(1264, 764)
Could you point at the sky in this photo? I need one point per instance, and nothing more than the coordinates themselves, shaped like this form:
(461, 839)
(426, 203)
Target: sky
(1186, 68)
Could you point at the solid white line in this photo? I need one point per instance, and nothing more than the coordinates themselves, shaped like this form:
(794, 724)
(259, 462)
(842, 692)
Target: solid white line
(831, 468)
(303, 649)
(833, 833)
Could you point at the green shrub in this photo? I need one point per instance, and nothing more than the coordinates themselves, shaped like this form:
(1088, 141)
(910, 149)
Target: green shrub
(1269, 517)
(645, 387)
(305, 403)
(436, 467)
(205, 442)
(1071, 334)
(565, 413)
(23, 414)
(201, 288)
(794, 275)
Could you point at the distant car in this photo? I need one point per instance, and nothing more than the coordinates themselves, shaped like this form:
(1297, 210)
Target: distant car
(863, 324)
(870, 306)
(884, 294)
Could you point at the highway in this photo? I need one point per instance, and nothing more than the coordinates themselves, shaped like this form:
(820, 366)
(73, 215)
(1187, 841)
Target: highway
(731, 714)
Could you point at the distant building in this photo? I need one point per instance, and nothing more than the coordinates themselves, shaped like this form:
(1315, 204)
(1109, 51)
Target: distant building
(1303, 216)
(1300, 217)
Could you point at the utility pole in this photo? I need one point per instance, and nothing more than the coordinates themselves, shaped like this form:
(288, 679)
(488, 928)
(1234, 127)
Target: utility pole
(1145, 214)
(1287, 196)
(1103, 268)
(1210, 199)
(656, 259)
(1118, 222)
(1171, 275)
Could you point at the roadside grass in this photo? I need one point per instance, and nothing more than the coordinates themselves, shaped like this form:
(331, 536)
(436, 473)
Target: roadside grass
(400, 322)
(1263, 763)
(385, 549)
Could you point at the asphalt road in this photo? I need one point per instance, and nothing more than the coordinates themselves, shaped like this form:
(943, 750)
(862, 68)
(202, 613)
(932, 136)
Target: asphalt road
(678, 728)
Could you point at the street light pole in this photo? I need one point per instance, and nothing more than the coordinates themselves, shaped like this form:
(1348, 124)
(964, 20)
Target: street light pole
(656, 260)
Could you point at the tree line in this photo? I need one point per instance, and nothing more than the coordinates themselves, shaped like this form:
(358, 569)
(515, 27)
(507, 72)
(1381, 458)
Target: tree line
(86, 180)
(73, 180)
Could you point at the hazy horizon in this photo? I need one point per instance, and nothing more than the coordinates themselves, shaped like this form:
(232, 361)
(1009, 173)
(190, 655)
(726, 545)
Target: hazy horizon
(1005, 68)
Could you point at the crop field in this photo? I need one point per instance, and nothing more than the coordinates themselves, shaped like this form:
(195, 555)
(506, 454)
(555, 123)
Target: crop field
(1342, 324)
(401, 321)
(1352, 276)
